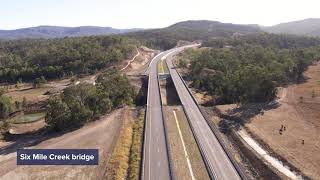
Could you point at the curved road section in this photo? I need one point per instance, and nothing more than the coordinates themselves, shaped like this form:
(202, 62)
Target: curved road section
(155, 162)
(218, 163)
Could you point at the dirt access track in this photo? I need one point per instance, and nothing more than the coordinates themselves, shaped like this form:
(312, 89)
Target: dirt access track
(101, 134)
(140, 62)
(299, 143)
(96, 135)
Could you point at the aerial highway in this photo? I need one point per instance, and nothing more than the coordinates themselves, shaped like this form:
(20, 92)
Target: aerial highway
(155, 155)
(218, 163)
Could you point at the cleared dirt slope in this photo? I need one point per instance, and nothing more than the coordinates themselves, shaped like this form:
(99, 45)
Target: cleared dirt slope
(99, 134)
(299, 143)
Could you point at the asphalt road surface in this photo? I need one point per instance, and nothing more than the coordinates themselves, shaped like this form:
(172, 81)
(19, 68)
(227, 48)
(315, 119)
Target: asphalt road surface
(155, 158)
(219, 164)
(155, 155)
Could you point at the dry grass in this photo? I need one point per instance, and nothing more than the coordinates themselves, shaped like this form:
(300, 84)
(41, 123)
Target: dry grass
(181, 170)
(136, 148)
(179, 161)
(30, 94)
(162, 67)
(27, 118)
(27, 127)
(202, 98)
(119, 162)
(302, 123)
(301, 120)
(99, 134)
(140, 64)
(126, 158)
(310, 87)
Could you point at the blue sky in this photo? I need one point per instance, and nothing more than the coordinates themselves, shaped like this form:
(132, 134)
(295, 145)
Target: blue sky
(151, 13)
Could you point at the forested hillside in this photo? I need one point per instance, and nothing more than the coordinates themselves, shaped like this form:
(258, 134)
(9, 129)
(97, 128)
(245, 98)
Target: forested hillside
(167, 38)
(60, 32)
(249, 68)
(264, 40)
(307, 27)
(25, 60)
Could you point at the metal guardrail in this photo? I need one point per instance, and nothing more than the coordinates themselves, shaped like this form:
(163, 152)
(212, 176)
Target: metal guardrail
(202, 152)
(201, 149)
(217, 135)
(142, 165)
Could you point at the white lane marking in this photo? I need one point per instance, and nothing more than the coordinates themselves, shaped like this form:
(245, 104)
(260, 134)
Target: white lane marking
(200, 134)
(158, 149)
(149, 109)
(184, 146)
(179, 83)
(149, 122)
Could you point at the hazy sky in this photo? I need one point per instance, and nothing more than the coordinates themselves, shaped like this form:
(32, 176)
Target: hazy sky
(151, 13)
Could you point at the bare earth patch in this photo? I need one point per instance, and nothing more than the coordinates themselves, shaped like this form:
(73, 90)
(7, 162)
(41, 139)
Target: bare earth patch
(26, 127)
(30, 94)
(141, 62)
(299, 142)
(99, 134)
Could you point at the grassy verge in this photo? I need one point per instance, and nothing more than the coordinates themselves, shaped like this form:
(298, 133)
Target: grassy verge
(126, 158)
(180, 165)
(136, 148)
(162, 67)
(119, 162)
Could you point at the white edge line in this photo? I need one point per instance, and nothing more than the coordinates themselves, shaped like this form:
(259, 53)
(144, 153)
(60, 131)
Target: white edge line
(184, 147)
(148, 69)
(149, 122)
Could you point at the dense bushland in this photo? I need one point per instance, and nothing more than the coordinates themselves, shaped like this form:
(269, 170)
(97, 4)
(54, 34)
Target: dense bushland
(26, 60)
(264, 40)
(249, 68)
(6, 105)
(81, 103)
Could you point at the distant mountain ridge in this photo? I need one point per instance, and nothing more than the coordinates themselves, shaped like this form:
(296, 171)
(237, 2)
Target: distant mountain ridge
(185, 30)
(214, 26)
(309, 27)
(191, 30)
(60, 32)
